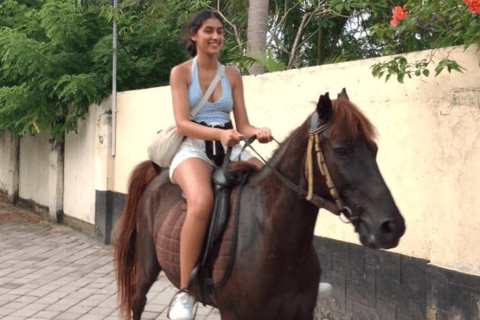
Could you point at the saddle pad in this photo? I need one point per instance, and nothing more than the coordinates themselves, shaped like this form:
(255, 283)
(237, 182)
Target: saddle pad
(167, 242)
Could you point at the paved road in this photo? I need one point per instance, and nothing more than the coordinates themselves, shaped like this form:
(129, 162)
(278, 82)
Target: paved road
(51, 272)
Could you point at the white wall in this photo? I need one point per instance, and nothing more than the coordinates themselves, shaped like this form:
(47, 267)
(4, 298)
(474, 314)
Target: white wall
(79, 175)
(429, 148)
(5, 150)
(429, 144)
(141, 113)
(34, 168)
(429, 154)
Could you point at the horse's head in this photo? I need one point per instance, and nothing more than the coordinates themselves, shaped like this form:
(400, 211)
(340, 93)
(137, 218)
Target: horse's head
(350, 153)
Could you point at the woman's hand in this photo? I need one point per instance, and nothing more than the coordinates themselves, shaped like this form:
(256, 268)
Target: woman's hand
(230, 137)
(263, 135)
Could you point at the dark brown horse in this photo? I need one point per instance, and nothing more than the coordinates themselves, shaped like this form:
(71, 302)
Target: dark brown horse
(276, 272)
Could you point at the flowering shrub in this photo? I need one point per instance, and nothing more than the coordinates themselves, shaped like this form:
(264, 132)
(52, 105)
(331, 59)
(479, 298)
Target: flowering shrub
(399, 14)
(474, 5)
(426, 25)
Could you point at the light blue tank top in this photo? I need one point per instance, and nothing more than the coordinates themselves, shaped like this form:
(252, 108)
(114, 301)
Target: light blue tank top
(214, 113)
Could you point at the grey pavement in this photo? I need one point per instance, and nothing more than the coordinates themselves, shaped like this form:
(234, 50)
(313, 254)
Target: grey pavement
(51, 272)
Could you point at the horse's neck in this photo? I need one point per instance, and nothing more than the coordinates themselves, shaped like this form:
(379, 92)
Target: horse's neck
(288, 160)
(291, 217)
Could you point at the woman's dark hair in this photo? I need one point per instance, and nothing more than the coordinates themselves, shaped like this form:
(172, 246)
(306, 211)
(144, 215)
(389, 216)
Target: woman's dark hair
(195, 23)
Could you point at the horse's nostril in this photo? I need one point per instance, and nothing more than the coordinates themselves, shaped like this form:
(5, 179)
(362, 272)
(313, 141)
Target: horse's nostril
(388, 227)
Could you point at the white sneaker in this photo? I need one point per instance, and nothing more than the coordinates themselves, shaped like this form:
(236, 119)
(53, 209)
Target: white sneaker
(324, 289)
(182, 307)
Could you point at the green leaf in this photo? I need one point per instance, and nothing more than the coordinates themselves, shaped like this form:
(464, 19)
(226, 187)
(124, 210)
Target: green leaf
(438, 69)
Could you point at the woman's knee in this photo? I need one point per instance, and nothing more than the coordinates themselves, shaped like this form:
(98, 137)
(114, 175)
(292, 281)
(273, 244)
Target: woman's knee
(200, 205)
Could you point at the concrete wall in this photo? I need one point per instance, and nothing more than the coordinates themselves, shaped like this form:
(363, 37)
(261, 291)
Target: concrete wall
(429, 150)
(79, 188)
(9, 162)
(429, 154)
(141, 113)
(429, 144)
(5, 149)
(34, 168)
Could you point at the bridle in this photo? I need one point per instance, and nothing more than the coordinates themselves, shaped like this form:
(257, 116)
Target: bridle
(337, 207)
(316, 129)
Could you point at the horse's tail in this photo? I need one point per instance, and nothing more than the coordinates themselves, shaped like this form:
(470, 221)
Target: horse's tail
(125, 260)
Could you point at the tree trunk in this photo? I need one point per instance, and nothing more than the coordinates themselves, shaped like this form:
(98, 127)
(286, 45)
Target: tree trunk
(319, 46)
(257, 32)
(56, 180)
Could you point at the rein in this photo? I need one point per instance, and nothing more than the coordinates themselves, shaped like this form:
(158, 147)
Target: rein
(336, 207)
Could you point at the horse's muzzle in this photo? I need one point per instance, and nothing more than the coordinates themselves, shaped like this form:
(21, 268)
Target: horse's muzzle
(384, 234)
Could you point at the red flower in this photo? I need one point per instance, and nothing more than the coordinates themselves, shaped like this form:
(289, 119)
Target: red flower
(474, 5)
(399, 13)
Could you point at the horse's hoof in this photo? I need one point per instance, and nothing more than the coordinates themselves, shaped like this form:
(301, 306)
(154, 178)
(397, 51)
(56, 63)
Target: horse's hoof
(324, 290)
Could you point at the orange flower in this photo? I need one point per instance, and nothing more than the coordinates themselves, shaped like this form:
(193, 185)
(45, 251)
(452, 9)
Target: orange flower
(399, 13)
(473, 5)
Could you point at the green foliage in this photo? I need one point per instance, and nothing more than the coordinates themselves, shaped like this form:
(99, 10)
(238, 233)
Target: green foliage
(336, 32)
(47, 78)
(56, 56)
(429, 25)
(400, 67)
(268, 61)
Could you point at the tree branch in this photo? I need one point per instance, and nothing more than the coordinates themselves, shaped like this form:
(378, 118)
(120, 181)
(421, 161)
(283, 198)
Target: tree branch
(235, 30)
(338, 31)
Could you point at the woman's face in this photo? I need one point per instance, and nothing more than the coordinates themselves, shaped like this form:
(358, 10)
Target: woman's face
(209, 38)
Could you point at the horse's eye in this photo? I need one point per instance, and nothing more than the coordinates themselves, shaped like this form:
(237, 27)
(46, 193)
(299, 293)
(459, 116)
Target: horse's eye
(341, 152)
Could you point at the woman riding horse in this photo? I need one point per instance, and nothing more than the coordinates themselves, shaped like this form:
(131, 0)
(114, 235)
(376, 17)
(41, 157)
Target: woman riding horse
(328, 162)
(211, 129)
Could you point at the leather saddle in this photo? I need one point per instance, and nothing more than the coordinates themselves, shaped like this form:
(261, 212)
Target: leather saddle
(223, 182)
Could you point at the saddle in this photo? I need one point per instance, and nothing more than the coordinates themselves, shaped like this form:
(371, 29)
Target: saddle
(215, 262)
(223, 183)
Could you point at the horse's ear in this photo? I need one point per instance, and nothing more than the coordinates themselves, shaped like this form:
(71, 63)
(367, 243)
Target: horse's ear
(343, 94)
(324, 107)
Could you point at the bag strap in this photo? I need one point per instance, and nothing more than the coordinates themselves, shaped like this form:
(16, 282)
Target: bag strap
(208, 93)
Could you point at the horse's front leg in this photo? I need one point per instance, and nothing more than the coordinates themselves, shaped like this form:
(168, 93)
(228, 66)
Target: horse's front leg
(306, 306)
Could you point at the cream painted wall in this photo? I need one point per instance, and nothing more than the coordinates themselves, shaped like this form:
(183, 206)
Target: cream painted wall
(6, 148)
(429, 153)
(429, 144)
(34, 168)
(79, 175)
(141, 113)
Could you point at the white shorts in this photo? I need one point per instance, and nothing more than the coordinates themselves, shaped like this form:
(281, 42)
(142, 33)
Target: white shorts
(195, 148)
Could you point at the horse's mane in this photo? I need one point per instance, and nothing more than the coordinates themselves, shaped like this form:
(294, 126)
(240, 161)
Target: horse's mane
(242, 166)
(347, 121)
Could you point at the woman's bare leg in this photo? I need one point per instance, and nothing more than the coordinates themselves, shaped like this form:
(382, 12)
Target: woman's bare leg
(194, 178)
